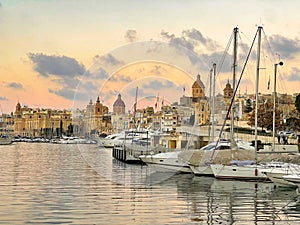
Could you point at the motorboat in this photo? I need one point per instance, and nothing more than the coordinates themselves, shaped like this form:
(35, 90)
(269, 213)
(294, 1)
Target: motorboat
(204, 167)
(276, 172)
(166, 162)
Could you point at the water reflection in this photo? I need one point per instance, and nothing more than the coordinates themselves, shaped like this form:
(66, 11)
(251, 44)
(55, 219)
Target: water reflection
(85, 185)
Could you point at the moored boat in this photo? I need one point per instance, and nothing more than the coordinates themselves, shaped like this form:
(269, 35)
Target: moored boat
(166, 162)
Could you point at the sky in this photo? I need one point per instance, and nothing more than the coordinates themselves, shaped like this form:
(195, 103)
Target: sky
(61, 53)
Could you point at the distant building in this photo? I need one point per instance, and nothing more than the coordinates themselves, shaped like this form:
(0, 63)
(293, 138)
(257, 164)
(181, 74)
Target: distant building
(227, 94)
(41, 122)
(200, 101)
(96, 120)
(169, 119)
(119, 106)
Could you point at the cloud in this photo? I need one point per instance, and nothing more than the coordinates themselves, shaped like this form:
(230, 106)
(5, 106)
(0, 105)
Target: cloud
(157, 70)
(3, 98)
(295, 75)
(67, 82)
(157, 85)
(285, 47)
(70, 94)
(63, 70)
(15, 85)
(47, 65)
(120, 78)
(130, 35)
(194, 36)
(191, 39)
(100, 74)
(108, 59)
(192, 43)
(177, 41)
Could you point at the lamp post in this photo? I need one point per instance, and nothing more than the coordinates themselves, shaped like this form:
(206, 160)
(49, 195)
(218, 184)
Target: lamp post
(274, 103)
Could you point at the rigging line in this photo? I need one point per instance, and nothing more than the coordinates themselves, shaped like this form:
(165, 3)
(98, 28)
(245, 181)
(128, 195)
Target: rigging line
(234, 93)
(273, 60)
(225, 53)
(269, 46)
(243, 45)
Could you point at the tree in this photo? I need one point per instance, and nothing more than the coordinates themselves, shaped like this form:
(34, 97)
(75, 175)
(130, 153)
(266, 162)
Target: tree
(297, 103)
(248, 107)
(293, 123)
(265, 117)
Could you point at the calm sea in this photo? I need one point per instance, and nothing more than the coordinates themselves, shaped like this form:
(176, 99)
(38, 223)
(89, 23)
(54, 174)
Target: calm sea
(83, 184)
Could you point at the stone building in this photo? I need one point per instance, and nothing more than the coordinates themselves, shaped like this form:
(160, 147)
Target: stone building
(227, 95)
(41, 122)
(119, 106)
(96, 119)
(200, 101)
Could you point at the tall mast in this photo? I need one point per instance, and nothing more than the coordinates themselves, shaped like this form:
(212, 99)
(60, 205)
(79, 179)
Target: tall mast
(213, 102)
(210, 104)
(256, 87)
(235, 32)
(274, 102)
(134, 106)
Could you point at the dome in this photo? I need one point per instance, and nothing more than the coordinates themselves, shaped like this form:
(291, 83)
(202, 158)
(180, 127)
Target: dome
(198, 83)
(119, 102)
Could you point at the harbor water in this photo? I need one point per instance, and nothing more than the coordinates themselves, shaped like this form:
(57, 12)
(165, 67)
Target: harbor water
(43, 183)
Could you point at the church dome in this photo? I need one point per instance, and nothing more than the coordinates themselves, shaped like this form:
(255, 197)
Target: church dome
(198, 83)
(119, 102)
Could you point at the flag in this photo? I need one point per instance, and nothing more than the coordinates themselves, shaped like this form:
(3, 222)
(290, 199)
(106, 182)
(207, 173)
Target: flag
(162, 102)
(156, 105)
(269, 84)
(183, 89)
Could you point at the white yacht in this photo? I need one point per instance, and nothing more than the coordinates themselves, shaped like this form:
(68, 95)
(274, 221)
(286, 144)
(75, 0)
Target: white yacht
(244, 170)
(277, 172)
(166, 162)
(204, 168)
(293, 178)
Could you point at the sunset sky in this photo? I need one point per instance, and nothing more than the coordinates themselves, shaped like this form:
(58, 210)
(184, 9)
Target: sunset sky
(62, 53)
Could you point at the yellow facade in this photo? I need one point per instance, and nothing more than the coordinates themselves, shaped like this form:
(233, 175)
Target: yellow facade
(41, 122)
(95, 119)
(201, 105)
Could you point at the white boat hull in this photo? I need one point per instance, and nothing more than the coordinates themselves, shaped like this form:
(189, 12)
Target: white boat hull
(295, 179)
(164, 162)
(277, 178)
(238, 172)
(203, 170)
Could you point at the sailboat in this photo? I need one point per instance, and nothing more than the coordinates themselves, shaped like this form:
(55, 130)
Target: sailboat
(204, 168)
(245, 171)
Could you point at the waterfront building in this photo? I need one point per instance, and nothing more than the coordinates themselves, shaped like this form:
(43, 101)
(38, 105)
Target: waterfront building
(96, 118)
(119, 106)
(185, 114)
(120, 122)
(156, 121)
(6, 124)
(185, 101)
(200, 101)
(169, 119)
(227, 95)
(41, 122)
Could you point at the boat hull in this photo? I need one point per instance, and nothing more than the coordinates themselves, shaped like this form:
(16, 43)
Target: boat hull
(238, 172)
(166, 162)
(204, 170)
